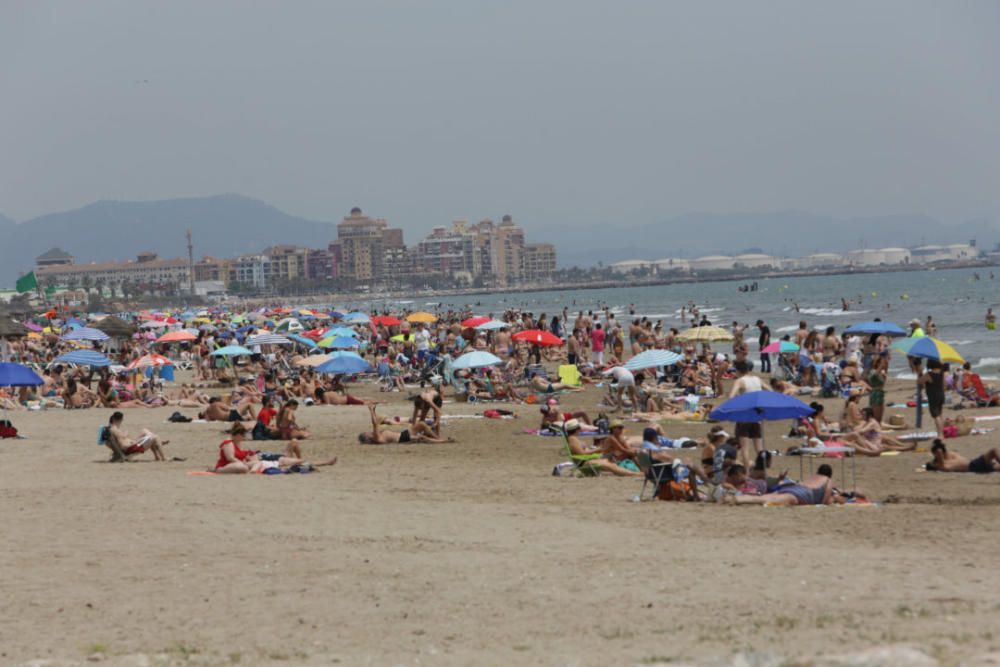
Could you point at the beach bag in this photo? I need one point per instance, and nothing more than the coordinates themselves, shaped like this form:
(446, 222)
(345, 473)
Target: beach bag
(103, 435)
(675, 491)
(7, 429)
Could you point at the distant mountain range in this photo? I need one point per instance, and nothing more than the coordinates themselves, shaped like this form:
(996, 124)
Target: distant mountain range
(222, 226)
(228, 225)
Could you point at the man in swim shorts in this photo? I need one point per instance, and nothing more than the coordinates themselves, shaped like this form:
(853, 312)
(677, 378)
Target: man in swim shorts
(945, 461)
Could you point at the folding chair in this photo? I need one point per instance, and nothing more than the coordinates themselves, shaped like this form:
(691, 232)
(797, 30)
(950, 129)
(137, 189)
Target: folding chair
(655, 472)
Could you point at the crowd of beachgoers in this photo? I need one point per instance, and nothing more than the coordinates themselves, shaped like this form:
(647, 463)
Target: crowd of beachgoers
(253, 372)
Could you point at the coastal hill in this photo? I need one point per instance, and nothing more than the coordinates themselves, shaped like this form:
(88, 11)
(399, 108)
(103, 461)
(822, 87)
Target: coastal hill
(223, 226)
(227, 225)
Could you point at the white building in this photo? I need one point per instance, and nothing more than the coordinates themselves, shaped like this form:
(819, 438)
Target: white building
(880, 257)
(821, 260)
(956, 252)
(669, 264)
(713, 263)
(755, 261)
(630, 265)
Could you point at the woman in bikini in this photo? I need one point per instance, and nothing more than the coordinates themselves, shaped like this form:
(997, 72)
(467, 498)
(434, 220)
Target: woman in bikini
(419, 432)
(287, 428)
(868, 438)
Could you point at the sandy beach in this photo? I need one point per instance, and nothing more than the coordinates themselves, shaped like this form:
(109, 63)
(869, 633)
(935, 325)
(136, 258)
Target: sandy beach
(469, 553)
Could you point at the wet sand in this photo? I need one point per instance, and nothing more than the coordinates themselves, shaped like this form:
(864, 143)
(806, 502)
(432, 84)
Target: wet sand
(470, 553)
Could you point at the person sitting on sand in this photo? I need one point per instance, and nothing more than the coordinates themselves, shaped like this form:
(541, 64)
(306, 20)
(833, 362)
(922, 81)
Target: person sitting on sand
(851, 416)
(122, 446)
(945, 461)
(288, 429)
(813, 490)
(577, 448)
(868, 438)
(420, 432)
(219, 411)
(553, 416)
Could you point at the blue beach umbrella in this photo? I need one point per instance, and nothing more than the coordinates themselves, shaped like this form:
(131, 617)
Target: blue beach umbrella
(880, 328)
(231, 351)
(652, 359)
(16, 375)
(85, 333)
(341, 343)
(357, 317)
(302, 340)
(476, 359)
(344, 363)
(758, 406)
(84, 358)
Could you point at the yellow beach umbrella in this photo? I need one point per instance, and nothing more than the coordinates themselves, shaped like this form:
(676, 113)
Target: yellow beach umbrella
(708, 334)
(421, 317)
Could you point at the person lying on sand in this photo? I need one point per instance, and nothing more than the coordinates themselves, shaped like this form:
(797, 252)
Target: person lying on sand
(218, 411)
(552, 415)
(419, 432)
(945, 461)
(813, 490)
(545, 386)
(122, 446)
(234, 460)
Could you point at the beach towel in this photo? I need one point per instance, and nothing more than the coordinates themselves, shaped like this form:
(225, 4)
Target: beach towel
(569, 374)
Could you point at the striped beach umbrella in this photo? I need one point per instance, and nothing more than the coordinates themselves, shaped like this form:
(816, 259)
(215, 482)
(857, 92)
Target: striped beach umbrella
(268, 339)
(84, 358)
(652, 359)
(149, 361)
(85, 333)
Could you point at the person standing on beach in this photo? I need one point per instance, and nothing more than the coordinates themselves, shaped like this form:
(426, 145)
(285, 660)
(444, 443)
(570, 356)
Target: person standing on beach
(933, 383)
(597, 337)
(991, 318)
(764, 340)
(747, 432)
(801, 334)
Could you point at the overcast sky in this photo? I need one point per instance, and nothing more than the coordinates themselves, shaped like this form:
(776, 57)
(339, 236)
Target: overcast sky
(556, 111)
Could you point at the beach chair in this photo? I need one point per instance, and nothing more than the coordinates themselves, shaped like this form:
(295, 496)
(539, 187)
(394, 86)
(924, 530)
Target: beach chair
(569, 374)
(655, 472)
(531, 370)
(581, 462)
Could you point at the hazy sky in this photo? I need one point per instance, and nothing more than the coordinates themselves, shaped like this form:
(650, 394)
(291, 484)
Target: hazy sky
(558, 112)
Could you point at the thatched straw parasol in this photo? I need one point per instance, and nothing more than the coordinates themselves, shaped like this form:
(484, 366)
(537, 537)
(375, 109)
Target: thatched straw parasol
(115, 327)
(11, 329)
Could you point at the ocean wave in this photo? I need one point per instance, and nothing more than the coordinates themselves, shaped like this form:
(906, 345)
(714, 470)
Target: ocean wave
(905, 376)
(962, 342)
(831, 312)
(989, 361)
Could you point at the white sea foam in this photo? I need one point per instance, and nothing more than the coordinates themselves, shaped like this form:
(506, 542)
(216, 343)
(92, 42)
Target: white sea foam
(832, 312)
(989, 361)
(962, 342)
(905, 376)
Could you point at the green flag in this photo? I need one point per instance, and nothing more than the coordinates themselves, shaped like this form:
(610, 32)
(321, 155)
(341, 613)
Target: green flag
(26, 283)
(50, 290)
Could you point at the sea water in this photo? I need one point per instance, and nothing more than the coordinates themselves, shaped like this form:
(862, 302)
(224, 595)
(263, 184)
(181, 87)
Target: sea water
(954, 298)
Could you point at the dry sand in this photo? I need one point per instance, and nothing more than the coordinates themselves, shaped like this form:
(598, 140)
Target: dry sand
(469, 553)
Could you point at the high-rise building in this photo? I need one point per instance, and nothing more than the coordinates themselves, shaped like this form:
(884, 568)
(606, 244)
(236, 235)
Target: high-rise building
(539, 261)
(508, 252)
(363, 241)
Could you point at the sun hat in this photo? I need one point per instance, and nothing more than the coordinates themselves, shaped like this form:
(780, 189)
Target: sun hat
(572, 425)
(616, 423)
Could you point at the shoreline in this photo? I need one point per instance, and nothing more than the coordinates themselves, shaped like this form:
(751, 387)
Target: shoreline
(623, 281)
